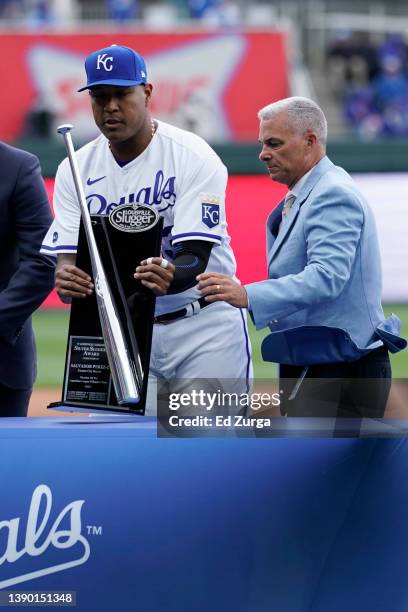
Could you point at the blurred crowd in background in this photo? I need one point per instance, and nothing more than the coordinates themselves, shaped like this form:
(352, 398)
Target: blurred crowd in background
(372, 81)
(34, 13)
(361, 78)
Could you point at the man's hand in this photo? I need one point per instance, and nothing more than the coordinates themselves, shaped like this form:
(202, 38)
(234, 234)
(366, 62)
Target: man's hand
(70, 281)
(218, 287)
(156, 273)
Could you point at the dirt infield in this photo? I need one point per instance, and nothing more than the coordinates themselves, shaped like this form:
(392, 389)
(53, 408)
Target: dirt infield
(397, 404)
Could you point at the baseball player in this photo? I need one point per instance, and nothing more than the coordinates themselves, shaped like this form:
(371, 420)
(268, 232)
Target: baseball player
(139, 159)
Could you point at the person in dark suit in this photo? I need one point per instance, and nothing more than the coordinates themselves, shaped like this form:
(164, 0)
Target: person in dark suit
(26, 276)
(322, 299)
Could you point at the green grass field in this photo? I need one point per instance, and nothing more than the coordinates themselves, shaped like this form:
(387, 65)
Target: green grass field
(51, 332)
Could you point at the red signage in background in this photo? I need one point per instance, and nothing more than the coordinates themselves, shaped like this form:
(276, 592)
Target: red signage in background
(211, 83)
(250, 199)
(249, 202)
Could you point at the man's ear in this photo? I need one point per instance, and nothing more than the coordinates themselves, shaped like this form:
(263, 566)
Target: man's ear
(311, 138)
(148, 88)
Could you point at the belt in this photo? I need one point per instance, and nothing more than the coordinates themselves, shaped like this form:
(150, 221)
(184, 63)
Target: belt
(188, 311)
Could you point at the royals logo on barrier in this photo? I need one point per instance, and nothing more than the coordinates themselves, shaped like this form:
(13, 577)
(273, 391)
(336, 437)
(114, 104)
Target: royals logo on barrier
(41, 535)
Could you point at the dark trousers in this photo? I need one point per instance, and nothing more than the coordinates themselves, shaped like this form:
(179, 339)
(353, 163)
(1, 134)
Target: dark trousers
(347, 389)
(14, 402)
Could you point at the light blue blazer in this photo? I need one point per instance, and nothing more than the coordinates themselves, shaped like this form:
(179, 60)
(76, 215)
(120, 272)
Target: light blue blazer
(322, 301)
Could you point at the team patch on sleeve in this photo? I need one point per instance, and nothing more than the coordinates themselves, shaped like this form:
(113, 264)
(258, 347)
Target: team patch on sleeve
(210, 209)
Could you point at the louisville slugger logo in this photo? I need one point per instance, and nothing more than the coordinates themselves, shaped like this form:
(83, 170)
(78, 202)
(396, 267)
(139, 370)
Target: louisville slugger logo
(133, 218)
(40, 535)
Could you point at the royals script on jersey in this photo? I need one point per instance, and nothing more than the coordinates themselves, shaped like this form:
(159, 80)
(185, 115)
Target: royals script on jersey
(178, 174)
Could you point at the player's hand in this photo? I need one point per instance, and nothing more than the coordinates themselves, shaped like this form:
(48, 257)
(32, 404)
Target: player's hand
(72, 282)
(156, 273)
(220, 288)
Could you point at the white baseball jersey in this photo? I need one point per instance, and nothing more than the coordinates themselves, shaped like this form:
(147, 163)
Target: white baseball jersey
(178, 174)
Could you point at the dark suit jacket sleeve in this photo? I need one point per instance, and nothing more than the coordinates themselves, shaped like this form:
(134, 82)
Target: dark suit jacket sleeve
(33, 277)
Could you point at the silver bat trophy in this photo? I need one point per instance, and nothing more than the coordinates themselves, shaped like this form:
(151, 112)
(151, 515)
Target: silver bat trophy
(122, 369)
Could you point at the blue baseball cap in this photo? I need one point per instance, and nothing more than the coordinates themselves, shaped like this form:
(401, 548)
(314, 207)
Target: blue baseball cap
(115, 65)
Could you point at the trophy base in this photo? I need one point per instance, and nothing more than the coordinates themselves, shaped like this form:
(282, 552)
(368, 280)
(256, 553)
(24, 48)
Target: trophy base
(88, 386)
(102, 410)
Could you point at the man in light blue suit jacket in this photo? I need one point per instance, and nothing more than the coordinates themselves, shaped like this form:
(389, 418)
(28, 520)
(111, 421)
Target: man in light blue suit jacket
(322, 299)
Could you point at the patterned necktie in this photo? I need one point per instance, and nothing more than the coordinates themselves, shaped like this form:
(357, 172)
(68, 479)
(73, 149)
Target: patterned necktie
(290, 198)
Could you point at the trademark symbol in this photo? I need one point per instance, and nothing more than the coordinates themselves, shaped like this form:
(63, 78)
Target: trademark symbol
(95, 530)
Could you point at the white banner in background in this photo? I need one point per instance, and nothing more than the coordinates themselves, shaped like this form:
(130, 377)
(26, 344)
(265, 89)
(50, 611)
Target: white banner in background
(387, 195)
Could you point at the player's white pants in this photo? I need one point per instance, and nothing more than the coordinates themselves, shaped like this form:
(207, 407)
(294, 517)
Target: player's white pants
(213, 345)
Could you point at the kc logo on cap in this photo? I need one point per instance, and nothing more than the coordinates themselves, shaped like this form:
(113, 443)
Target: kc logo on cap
(103, 60)
(116, 65)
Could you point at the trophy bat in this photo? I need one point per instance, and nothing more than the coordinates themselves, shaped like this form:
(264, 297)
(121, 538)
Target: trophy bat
(126, 380)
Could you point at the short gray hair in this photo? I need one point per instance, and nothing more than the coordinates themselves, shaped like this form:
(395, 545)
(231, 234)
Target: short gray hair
(303, 114)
